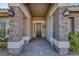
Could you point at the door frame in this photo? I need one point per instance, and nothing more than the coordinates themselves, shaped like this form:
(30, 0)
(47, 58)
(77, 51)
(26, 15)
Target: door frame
(34, 28)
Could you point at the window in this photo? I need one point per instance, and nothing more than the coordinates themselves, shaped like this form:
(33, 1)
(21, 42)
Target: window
(2, 29)
(71, 24)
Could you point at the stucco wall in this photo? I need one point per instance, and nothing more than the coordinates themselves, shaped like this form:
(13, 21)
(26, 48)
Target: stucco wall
(49, 28)
(29, 27)
(25, 26)
(38, 18)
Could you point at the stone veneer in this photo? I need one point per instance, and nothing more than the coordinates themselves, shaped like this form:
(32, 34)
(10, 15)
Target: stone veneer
(15, 42)
(25, 26)
(61, 31)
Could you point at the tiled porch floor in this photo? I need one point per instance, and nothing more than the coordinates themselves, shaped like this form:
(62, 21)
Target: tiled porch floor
(38, 47)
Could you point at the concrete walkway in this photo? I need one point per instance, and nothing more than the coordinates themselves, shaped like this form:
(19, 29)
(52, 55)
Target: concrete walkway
(38, 47)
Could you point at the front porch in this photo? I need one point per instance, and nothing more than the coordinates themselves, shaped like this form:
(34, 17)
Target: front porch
(39, 29)
(44, 20)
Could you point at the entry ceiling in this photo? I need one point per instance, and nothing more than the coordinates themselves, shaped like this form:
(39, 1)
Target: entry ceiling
(38, 9)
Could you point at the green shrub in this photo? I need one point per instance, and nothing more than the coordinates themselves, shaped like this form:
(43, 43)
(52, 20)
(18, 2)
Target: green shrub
(74, 41)
(3, 43)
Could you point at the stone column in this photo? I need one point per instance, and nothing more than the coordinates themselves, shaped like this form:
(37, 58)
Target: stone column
(61, 31)
(15, 41)
(77, 24)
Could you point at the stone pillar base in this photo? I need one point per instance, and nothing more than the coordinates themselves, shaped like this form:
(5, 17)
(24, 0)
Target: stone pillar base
(15, 51)
(62, 51)
(15, 48)
(62, 47)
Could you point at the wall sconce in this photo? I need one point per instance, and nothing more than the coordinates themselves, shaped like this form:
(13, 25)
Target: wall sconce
(11, 12)
(66, 12)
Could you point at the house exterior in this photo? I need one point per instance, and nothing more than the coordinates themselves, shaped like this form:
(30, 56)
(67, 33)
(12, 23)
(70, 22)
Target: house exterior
(42, 20)
(4, 23)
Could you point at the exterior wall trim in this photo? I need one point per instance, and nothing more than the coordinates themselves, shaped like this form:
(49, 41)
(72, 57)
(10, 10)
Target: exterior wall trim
(13, 4)
(52, 10)
(25, 10)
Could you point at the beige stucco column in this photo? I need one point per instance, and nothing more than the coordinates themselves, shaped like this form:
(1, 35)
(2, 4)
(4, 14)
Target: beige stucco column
(25, 26)
(15, 41)
(49, 28)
